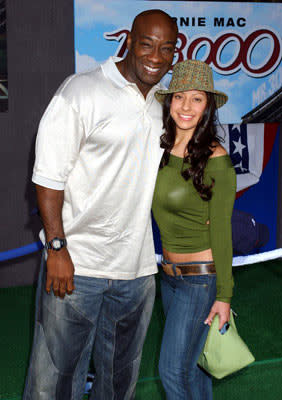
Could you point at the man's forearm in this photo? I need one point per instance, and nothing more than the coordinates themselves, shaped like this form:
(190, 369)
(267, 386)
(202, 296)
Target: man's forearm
(60, 269)
(50, 204)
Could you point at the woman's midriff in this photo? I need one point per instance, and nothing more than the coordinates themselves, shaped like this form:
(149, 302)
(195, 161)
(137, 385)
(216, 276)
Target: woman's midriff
(205, 255)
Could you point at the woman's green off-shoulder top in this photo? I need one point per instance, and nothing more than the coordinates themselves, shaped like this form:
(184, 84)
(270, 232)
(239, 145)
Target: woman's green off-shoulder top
(189, 224)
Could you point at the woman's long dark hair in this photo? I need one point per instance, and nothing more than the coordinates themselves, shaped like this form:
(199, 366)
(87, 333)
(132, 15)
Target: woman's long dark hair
(199, 148)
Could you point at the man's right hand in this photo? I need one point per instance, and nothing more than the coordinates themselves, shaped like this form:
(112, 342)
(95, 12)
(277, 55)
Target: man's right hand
(60, 271)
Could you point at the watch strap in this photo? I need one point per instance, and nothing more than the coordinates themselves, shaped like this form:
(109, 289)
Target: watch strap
(56, 244)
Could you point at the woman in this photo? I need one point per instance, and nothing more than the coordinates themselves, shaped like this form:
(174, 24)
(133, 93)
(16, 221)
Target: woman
(192, 205)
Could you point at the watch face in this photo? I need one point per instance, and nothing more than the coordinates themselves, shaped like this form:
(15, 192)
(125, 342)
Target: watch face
(56, 244)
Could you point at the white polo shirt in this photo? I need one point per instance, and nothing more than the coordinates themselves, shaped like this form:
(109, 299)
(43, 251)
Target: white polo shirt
(99, 141)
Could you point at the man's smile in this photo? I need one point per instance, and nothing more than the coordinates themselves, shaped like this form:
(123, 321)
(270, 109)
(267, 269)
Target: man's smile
(151, 70)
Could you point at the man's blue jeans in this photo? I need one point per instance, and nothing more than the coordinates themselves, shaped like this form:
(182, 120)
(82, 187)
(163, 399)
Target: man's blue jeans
(108, 317)
(187, 302)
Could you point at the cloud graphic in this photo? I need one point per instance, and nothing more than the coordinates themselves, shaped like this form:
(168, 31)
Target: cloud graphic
(119, 13)
(89, 12)
(236, 8)
(84, 62)
(225, 84)
(275, 14)
(229, 114)
(196, 8)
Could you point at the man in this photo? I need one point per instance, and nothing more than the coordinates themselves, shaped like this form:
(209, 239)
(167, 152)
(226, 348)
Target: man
(97, 155)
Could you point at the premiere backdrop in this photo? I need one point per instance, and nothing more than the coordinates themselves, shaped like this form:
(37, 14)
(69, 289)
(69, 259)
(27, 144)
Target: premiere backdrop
(242, 43)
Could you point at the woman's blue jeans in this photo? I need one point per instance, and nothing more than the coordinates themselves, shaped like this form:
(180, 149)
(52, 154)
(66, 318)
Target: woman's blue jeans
(187, 301)
(108, 317)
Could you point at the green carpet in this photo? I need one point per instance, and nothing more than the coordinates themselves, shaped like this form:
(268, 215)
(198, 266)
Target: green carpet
(257, 301)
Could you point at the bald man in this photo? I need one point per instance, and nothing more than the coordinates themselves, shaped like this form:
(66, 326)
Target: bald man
(97, 156)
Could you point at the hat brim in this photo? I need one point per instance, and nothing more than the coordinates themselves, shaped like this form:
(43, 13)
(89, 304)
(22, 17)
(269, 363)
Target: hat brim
(220, 97)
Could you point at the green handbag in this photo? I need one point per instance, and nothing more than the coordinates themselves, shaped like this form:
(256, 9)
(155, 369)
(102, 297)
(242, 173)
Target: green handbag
(224, 354)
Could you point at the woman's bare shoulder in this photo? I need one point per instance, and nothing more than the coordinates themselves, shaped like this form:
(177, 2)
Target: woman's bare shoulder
(218, 150)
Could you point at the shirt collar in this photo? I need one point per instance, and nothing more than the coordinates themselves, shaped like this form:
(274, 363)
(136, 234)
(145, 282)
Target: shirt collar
(111, 71)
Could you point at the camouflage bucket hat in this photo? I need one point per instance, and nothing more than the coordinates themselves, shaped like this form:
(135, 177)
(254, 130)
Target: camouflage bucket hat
(192, 75)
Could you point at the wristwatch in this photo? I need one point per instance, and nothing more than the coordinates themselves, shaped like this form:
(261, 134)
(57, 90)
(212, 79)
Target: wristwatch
(56, 244)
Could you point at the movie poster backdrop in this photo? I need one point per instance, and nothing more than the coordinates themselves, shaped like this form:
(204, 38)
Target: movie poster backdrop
(240, 41)
(242, 44)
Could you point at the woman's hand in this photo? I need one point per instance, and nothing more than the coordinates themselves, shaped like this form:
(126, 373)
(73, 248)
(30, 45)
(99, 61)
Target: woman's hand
(223, 311)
